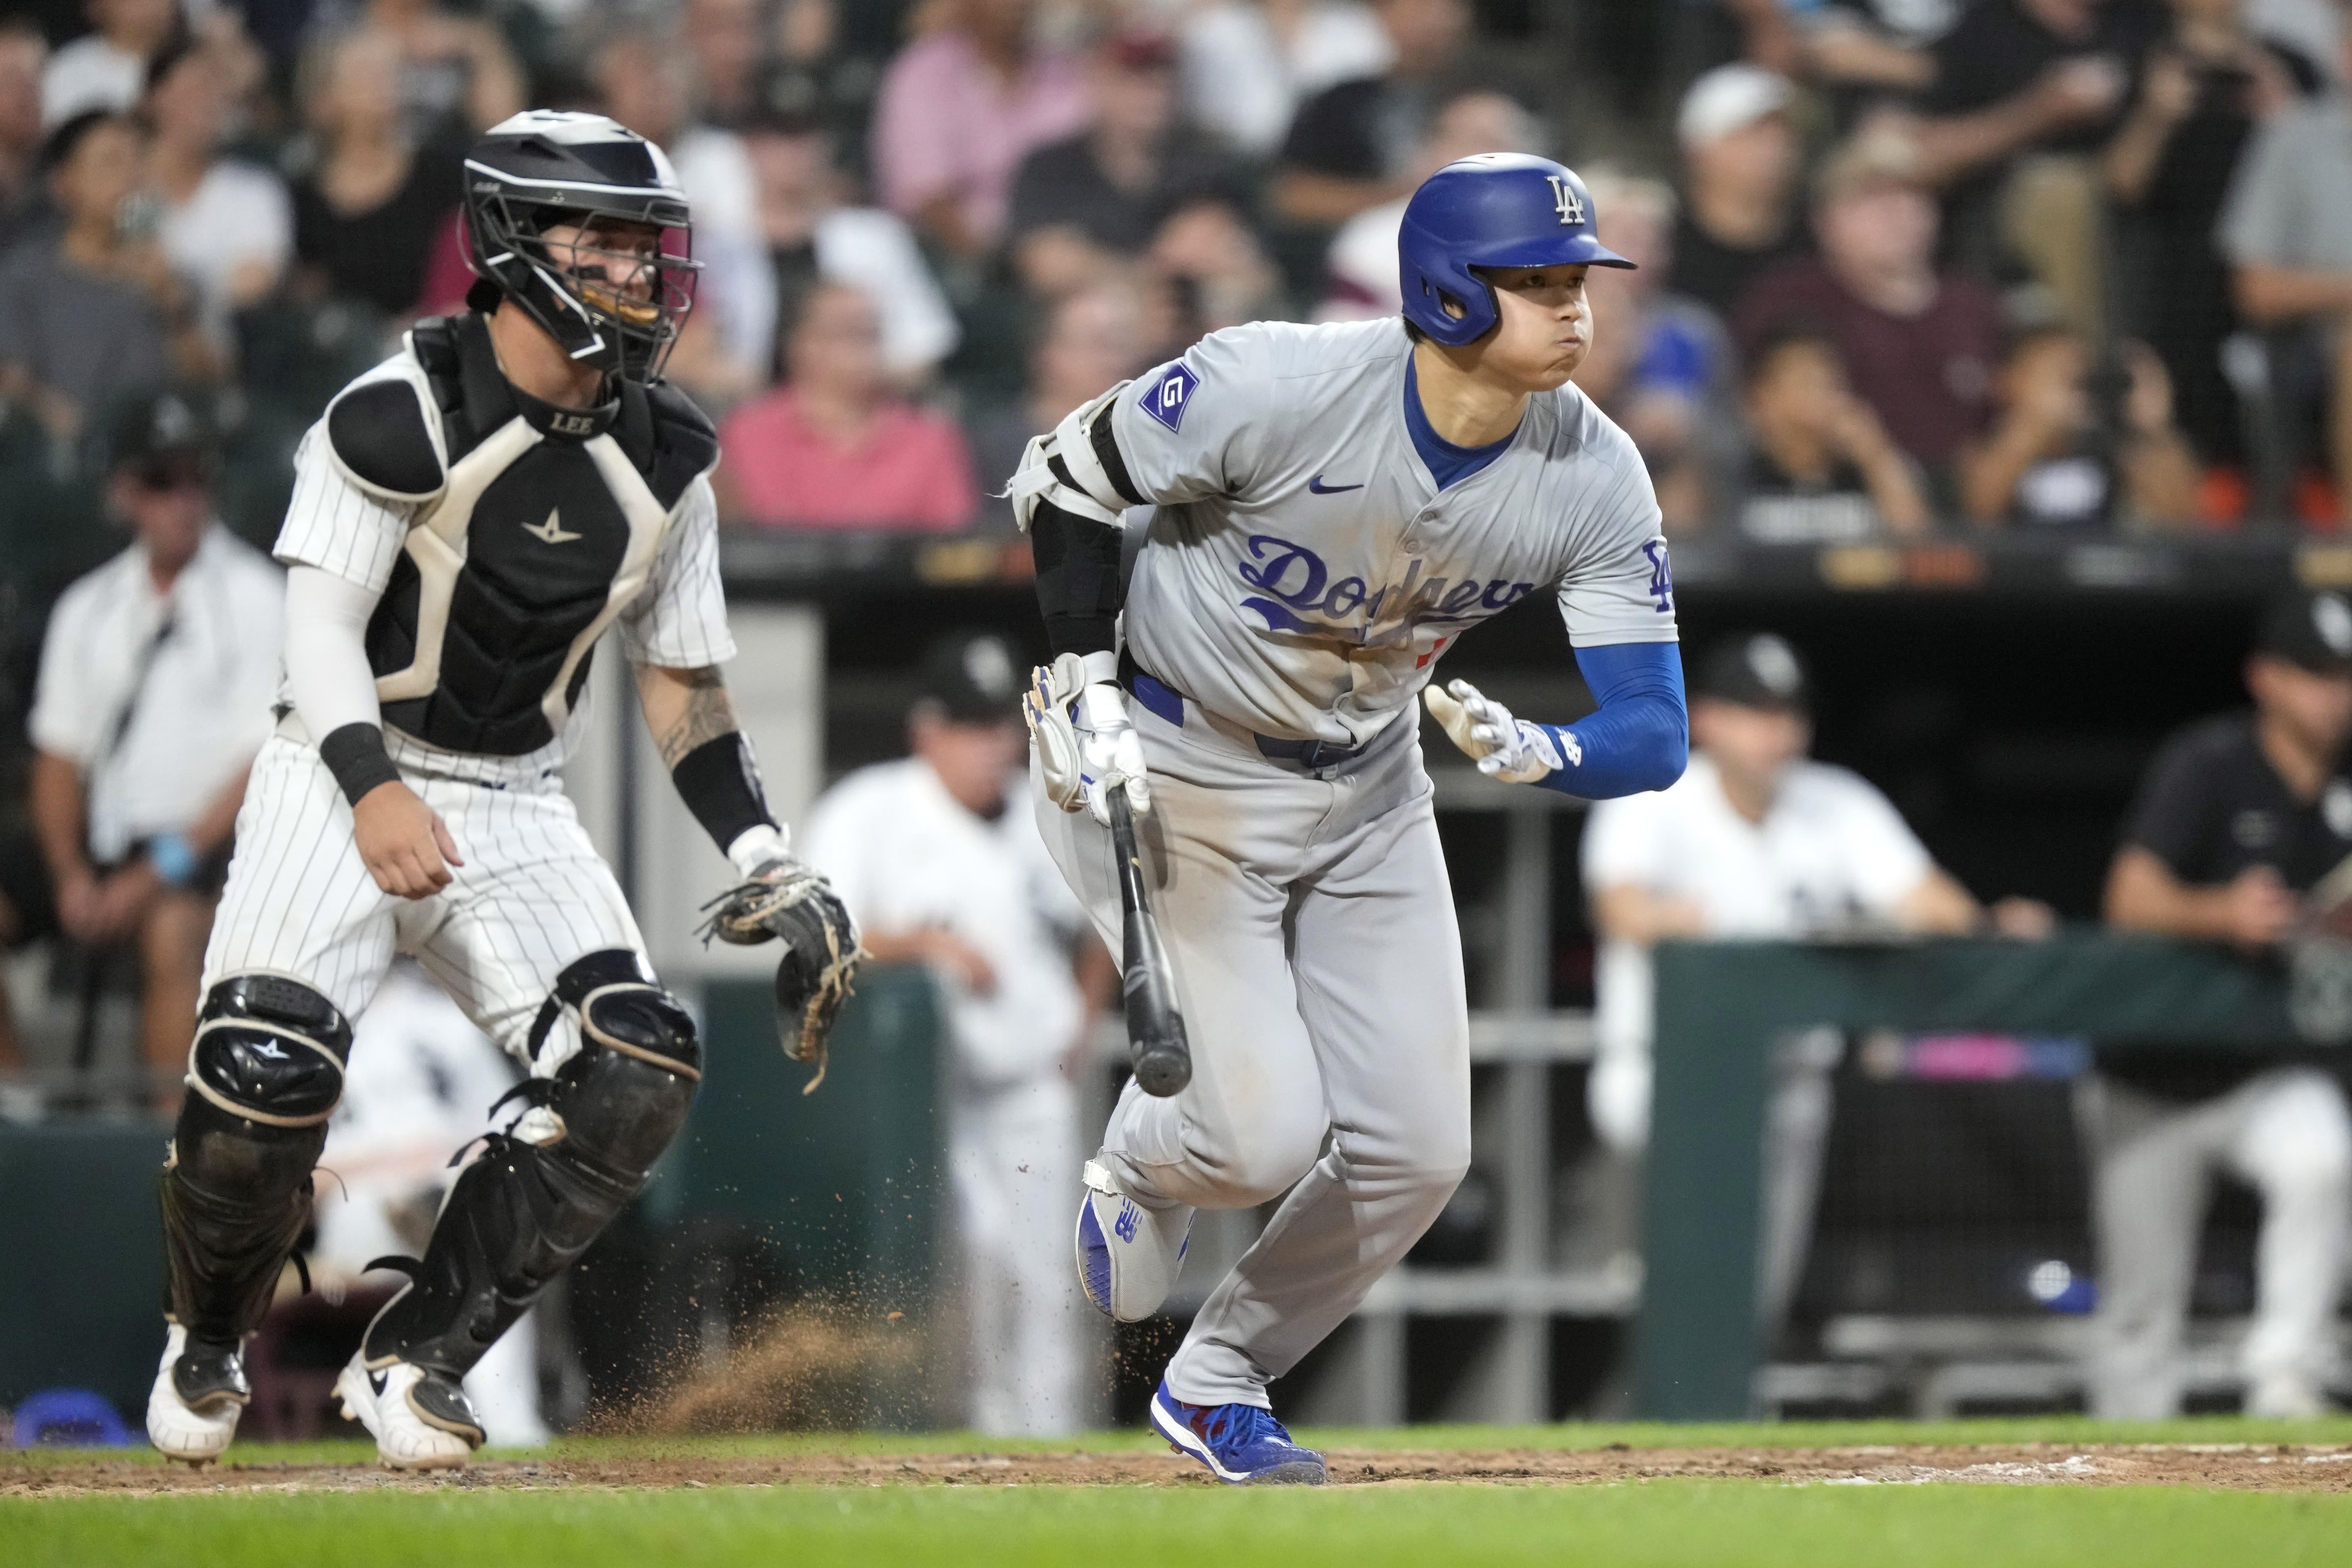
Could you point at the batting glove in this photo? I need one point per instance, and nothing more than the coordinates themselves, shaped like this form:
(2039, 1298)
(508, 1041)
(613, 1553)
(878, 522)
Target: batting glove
(1505, 748)
(1087, 746)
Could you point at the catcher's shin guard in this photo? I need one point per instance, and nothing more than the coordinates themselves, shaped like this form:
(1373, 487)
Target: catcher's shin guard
(263, 1075)
(525, 1210)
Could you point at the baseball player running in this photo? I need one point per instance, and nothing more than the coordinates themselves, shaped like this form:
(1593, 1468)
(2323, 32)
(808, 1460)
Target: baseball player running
(467, 518)
(1335, 505)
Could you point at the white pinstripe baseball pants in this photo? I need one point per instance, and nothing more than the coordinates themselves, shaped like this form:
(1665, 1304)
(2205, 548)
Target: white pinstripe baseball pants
(532, 897)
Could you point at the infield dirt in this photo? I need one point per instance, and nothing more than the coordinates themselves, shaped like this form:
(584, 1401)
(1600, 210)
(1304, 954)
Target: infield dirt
(2237, 1466)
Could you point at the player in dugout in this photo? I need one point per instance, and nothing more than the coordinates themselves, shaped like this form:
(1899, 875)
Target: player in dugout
(2239, 818)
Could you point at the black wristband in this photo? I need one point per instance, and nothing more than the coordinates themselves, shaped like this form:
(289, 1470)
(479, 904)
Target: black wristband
(719, 782)
(355, 755)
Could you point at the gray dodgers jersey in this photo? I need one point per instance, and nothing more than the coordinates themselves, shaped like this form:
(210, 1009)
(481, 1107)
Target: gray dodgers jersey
(1303, 572)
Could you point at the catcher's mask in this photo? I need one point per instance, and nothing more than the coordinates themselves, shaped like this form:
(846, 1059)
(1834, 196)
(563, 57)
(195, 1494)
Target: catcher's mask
(616, 294)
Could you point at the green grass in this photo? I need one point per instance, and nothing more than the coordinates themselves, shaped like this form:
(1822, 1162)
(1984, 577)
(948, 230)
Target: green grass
(1703, 1524)
(1652, 1524)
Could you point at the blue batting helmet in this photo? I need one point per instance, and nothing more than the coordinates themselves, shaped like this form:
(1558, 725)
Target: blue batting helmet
(1497, 210)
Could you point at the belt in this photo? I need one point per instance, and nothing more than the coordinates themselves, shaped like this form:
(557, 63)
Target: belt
(1158, 696)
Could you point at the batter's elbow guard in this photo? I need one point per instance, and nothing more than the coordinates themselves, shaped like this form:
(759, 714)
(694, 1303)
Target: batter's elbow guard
(1078, 590)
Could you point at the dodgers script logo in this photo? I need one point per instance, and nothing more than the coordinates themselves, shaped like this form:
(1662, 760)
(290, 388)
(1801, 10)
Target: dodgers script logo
(1294, 582)
(1166, 401)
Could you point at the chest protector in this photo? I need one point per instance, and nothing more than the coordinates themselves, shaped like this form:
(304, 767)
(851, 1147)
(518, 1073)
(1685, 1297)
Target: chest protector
(535, 527)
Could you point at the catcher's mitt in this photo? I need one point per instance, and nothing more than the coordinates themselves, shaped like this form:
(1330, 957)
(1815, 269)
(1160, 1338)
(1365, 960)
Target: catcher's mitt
(787, 899)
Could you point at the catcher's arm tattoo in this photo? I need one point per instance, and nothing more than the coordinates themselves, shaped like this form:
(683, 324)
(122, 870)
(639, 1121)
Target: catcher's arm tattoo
(683, 709)
(710, 761)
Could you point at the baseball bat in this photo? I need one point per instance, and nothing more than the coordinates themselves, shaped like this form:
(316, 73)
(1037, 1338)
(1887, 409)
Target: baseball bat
(1155, 1028)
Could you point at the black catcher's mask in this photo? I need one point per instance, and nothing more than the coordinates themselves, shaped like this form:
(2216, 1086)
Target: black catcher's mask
(618, 310)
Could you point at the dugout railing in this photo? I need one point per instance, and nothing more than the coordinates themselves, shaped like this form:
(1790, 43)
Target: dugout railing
(1724, 1007)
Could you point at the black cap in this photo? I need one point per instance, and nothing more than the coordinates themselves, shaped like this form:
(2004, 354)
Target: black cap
(2312, 628)
(974, 677)
(1758, 669)
(161, 436)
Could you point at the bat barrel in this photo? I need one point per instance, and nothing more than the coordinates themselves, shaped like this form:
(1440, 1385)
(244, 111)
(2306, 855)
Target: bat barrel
(1155, 1028)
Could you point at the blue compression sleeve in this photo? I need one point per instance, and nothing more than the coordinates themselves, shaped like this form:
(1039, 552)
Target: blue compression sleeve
(1640, 738)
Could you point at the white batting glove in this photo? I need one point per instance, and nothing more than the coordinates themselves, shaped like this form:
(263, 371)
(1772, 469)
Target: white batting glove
(1087, 746)
(1505, 748)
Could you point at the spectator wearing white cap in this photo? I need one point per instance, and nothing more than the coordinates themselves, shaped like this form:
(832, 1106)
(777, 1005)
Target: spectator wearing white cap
(1740, 160)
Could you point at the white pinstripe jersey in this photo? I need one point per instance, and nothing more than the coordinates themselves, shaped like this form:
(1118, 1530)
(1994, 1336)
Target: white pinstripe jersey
(677, 618)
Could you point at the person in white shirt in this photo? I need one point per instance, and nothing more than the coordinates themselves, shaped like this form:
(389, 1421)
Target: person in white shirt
(155, 693)
(1248, 64)
(1757, 841)
(808, 232)
(1362, 257)
(106, 67)
(228, 226)
(421, 1083)
(941, 865)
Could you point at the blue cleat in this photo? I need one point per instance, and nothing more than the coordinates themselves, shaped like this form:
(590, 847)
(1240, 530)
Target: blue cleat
(1129, 1256)
(1241, 1443)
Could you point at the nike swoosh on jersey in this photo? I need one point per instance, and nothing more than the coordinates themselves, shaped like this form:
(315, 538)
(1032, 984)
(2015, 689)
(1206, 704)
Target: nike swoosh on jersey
(551, 532)
(1317, 486)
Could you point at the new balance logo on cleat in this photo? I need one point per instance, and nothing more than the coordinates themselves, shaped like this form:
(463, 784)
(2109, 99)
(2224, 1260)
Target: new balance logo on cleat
(1128, 1256)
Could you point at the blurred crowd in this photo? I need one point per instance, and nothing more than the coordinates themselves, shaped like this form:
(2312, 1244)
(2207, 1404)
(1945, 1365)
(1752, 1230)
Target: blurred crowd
(1907, 265)
(1907, 269)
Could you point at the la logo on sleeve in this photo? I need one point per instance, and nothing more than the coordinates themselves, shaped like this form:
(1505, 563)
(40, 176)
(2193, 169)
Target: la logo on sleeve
(1168, 399)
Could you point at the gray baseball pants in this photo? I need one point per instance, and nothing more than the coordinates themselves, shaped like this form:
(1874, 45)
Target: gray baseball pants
(2285, 1132)
(1310, 927)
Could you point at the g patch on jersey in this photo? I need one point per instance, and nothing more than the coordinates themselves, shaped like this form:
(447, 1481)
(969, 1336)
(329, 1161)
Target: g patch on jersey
(1166, 401)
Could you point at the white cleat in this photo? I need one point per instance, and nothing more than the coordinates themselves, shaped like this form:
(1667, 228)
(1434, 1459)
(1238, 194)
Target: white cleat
(1129, 1256)
(420, 1419)
(192, 1411)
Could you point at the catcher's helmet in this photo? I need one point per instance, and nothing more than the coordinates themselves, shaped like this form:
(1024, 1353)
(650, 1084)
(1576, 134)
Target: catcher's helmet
(541, 168)
(1497, 210)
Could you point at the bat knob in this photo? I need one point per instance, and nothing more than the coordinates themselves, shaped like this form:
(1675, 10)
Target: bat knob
(1163, 1070)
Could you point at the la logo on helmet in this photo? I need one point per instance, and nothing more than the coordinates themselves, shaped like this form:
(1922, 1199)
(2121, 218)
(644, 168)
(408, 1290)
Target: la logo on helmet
(1566, 202)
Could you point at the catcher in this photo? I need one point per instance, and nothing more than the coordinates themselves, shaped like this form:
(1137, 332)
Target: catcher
(467, 520)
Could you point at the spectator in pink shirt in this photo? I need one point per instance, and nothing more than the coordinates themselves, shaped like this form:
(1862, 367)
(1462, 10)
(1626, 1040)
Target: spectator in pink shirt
(959, 108)
(832, 447)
